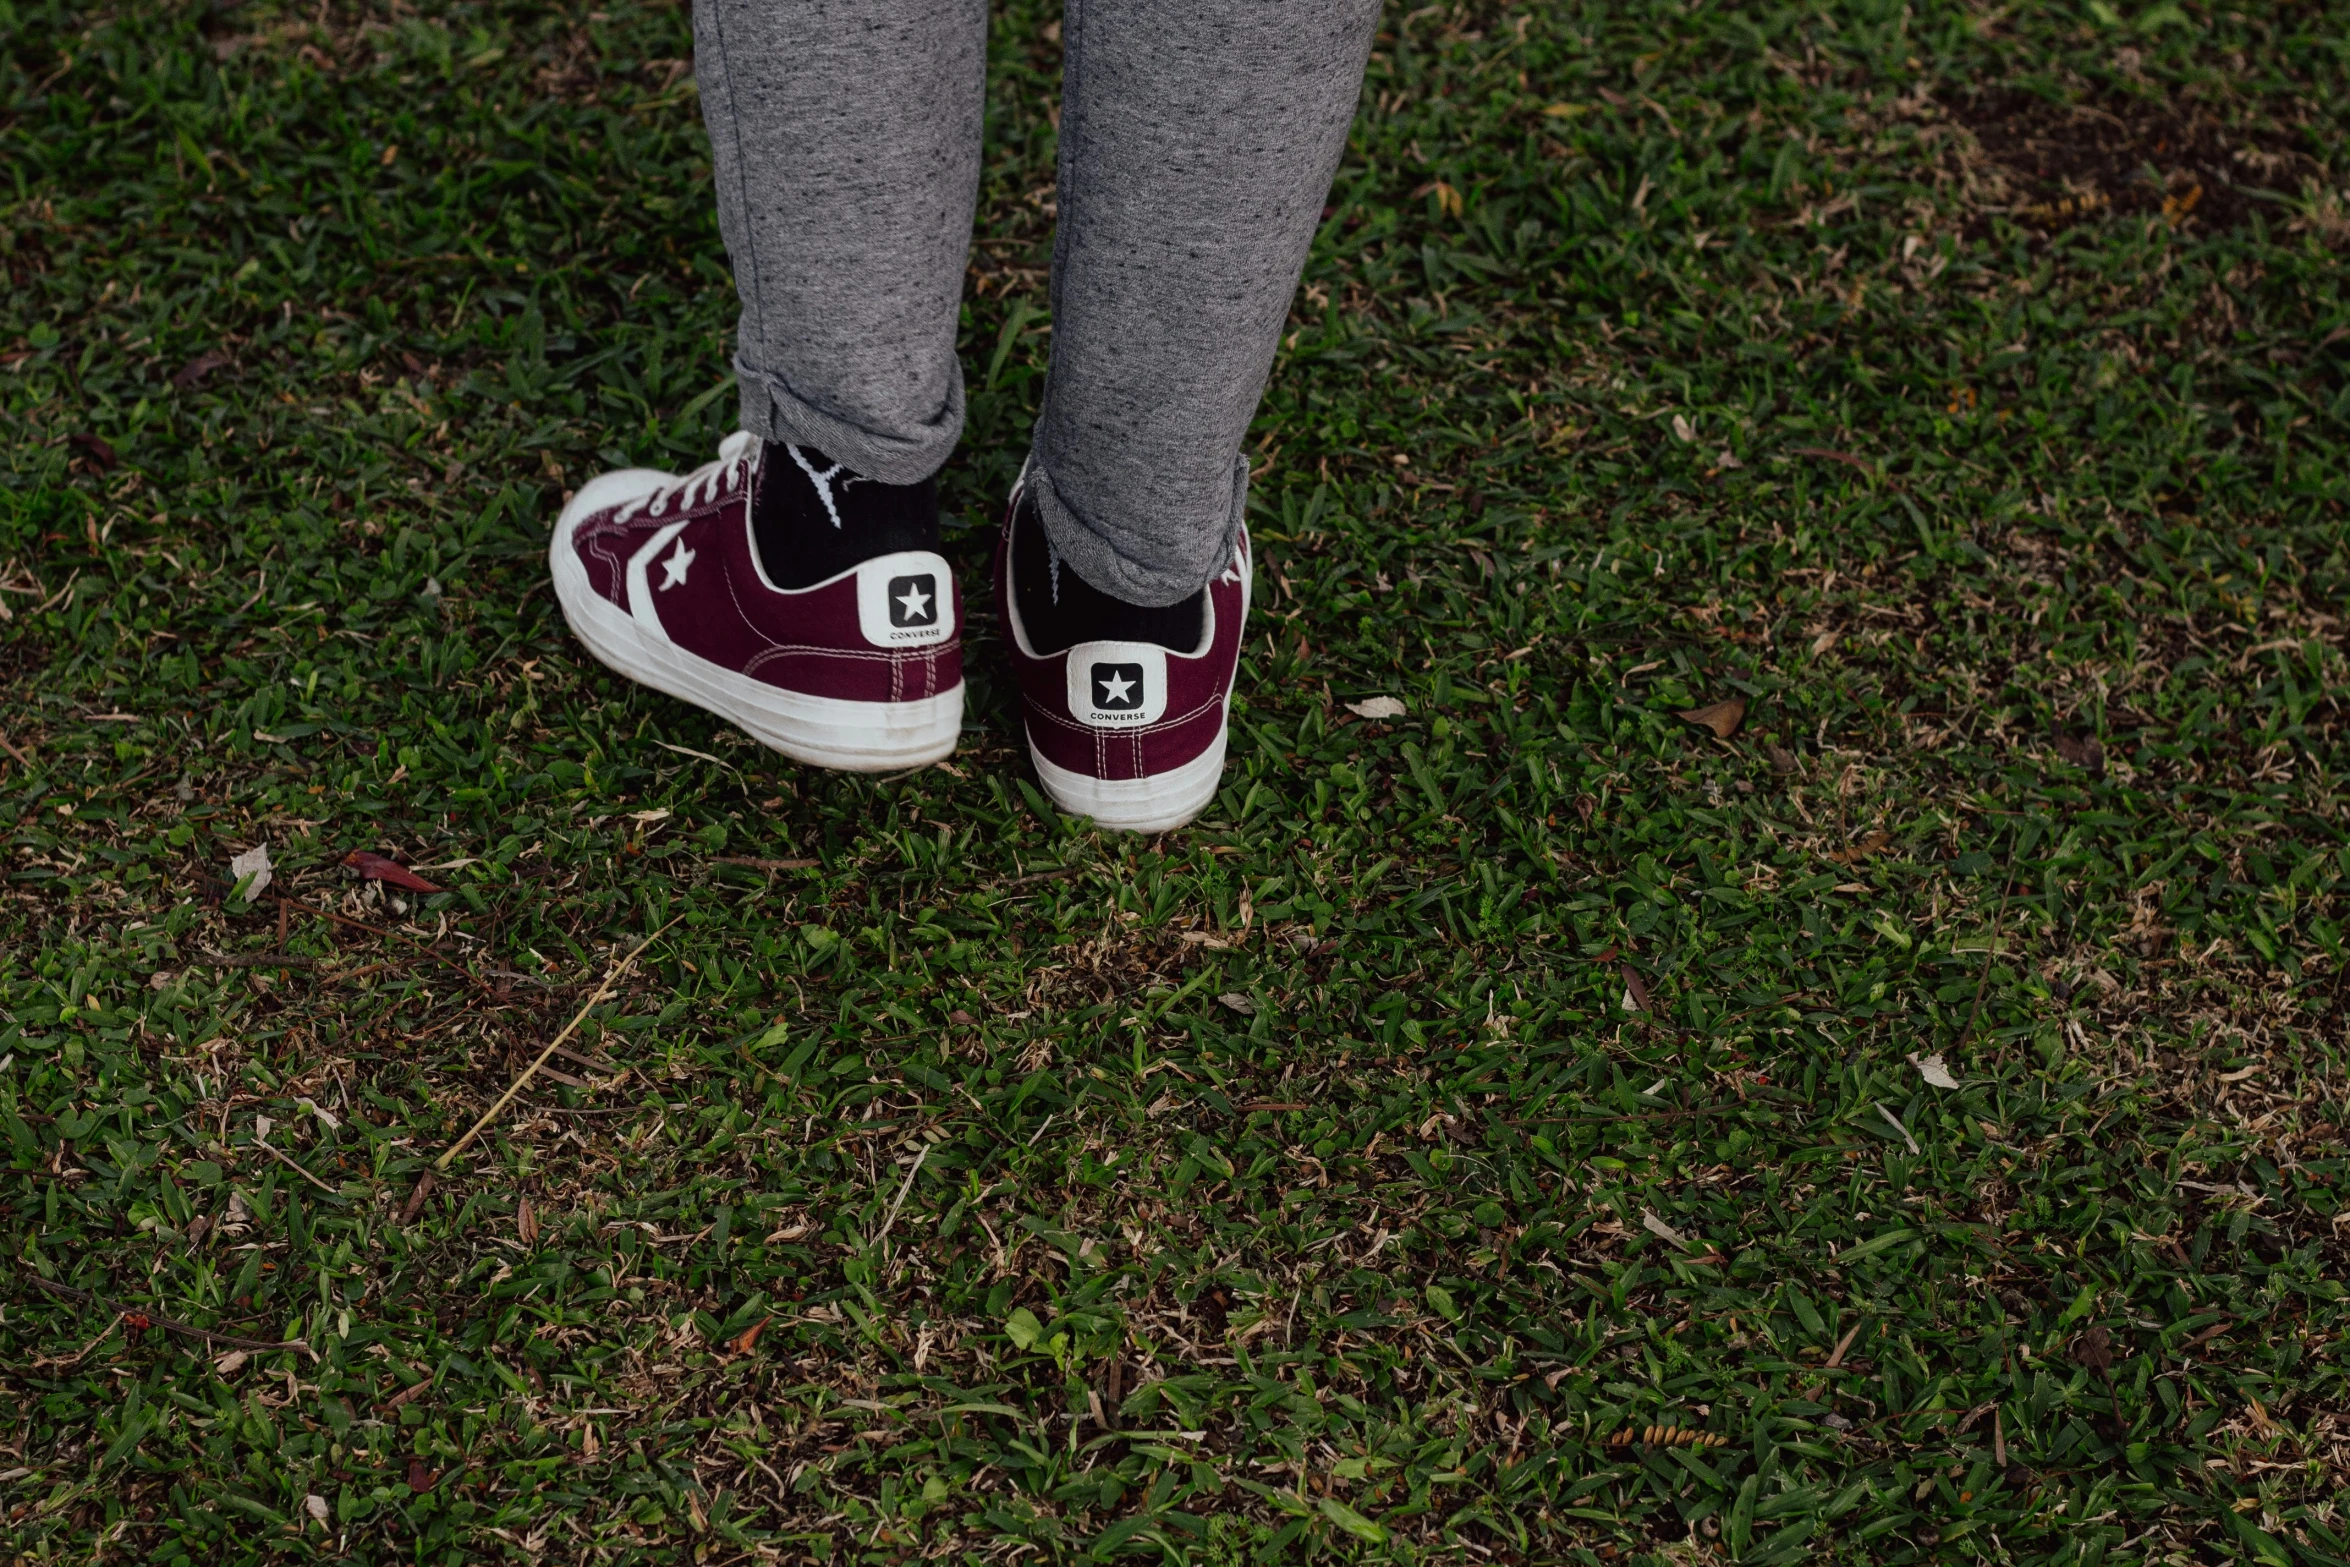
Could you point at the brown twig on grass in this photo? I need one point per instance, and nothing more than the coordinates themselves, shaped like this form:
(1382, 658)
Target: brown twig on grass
(1827, 454)
(532, 1070)
(286, 1159)
(1057, 874)
(231, 1340)
(1697, 1114)
(60, 1362)
(345, 920)
(1990, 960)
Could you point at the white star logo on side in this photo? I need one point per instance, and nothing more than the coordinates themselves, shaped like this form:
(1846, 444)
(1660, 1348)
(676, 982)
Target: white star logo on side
(1115, 688)
(675, 567)
(916, 602)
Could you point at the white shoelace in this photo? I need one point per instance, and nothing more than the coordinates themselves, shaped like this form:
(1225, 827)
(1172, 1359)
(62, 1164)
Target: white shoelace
(708, 482)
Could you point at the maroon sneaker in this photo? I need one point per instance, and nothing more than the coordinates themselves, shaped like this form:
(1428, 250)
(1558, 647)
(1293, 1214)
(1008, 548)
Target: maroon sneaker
(1130, 734)
(659, 576)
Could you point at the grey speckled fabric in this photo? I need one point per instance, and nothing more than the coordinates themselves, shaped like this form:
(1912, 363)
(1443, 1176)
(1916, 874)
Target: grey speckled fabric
(1198, 140)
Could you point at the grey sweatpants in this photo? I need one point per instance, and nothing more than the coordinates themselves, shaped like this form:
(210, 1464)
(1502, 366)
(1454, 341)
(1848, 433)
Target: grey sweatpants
(1198, 140)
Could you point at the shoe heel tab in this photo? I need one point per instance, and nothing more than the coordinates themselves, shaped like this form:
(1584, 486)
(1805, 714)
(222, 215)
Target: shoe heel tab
(906, 600)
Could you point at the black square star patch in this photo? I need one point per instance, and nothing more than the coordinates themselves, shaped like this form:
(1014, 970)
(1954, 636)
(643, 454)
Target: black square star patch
(913, 601)
(1117, 687)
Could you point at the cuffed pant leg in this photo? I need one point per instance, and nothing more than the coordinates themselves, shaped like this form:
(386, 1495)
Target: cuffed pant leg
(1198, 142)
(846, 139)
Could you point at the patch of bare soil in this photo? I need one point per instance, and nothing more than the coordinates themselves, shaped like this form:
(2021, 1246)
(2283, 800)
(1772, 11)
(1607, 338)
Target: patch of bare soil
(2062, 163)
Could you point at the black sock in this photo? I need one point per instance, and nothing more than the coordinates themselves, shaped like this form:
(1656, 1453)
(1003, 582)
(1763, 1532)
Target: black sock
(1060, 609)
(802, 541)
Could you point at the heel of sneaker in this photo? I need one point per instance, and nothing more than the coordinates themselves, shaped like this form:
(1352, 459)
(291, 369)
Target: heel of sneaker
(857, 737)
(1159, 803)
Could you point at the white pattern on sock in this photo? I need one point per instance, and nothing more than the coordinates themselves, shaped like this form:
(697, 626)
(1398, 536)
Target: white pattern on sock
(822, 481)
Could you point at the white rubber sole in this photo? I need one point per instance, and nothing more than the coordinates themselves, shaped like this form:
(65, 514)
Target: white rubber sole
(1154, 804)
(857, 737)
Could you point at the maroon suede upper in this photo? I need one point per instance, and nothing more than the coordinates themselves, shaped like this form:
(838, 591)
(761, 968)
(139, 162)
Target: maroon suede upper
(1196, 687)
(723, 611)
(604, 546)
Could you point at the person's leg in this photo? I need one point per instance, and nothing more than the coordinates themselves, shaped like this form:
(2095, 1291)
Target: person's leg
(1198, 141)
(1198, 138)
(846, 137)
(794, 586)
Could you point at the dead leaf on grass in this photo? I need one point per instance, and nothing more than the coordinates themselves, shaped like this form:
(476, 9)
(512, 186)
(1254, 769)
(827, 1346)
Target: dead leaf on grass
(1238, 1003)
(1722, 717)
(100, 454)
(2094, 1349)
(2084, 751)
(379, 867)
(254, 863)
(1894, 1122)
(416, 1195)
(526, 1222)
(748, 1338)
(420, 1479)
(192, 374)
(1658, 1227)
(407, 1395)
(1782, 759)
(1933, 1069)
(1377, 707)
(1874, 843)
(1635, 992)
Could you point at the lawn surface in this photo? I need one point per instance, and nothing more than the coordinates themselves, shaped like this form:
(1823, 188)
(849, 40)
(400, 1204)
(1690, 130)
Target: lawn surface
(1507, 1131)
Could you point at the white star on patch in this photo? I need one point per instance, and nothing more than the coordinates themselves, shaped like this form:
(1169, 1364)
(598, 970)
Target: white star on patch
(674, 568)
(916, 602)
(1115, 688)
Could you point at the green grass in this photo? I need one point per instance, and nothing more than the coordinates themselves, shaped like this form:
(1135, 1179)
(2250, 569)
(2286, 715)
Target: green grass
(1282, 1188)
